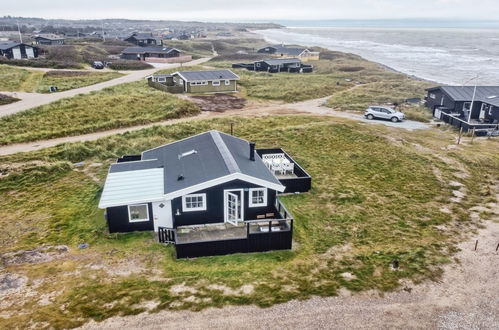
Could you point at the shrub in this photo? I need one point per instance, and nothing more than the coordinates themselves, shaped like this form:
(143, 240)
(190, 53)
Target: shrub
(5, 99)
(129, 65)
(42, 63)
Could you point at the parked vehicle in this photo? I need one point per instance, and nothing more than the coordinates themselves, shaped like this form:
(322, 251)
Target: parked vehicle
(98, 65)
(384, 113)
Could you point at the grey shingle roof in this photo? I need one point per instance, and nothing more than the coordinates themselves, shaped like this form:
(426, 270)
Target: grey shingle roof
(4, 45)
(142, 50)
(286, 50)
(487, 94)
(216, 155)
(208, 75)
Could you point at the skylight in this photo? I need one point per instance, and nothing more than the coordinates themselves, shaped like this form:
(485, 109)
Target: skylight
(187, 153)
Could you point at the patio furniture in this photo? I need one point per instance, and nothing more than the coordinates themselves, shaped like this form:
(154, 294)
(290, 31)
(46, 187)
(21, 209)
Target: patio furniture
(288, 167)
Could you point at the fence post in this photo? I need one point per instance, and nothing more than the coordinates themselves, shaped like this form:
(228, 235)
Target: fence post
(459, 137)
(476, 244)
(472, 134)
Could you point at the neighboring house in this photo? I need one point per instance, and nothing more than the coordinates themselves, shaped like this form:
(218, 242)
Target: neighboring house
(204, 81)
(276, 65)
(209, 194)
(457, 105)
(144, 39)
(282, 51)
(48, 39)
(16, 50)
(142, 53)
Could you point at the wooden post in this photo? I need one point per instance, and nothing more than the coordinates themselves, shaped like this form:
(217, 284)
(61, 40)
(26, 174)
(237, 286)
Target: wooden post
(472, 135)
(231, 128)
(497, 247)
(476, 244)
(460, 134)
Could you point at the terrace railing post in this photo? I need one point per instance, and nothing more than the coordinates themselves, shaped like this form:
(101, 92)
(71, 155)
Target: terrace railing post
(459, 137)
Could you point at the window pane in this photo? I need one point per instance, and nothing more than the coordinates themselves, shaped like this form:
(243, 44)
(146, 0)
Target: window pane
(138, 212)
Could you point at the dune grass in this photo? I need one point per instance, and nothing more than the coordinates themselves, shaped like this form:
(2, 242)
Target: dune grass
(65, 80)
(373, 201)
(113, 107)
(336, 74)
(14, 79)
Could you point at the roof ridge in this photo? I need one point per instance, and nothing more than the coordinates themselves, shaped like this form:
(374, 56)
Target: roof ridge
(229, 160)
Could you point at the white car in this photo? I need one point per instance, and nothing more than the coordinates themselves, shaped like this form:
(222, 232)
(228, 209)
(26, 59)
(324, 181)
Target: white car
(384, 113)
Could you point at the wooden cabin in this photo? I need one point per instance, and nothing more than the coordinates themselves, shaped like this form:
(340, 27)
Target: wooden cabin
(49, 39)
(145, 53)
(282, 51)
(143, 39)
(17, 50)
(209, 194)
(203, 81)
(470, 107)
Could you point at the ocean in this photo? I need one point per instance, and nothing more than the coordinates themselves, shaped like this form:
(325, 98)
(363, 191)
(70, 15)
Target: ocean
(454, 54)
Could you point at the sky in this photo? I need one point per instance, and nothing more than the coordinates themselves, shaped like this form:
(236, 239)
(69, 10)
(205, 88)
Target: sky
(253, 10)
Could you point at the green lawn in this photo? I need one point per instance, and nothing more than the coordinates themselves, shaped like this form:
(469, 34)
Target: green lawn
(118, 106)
(373, 201)
(14, 79)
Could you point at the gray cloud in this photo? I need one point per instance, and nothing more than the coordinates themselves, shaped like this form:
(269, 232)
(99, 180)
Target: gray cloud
(231, 10)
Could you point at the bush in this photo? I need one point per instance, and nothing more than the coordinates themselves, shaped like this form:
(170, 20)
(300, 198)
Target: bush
(63, 53)
(350, 68)
(5, 99)
(42, 63)
(129, 65)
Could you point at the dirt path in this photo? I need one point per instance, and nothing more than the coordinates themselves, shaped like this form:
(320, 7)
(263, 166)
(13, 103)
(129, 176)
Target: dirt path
(31, 100)
(305, 107)
(466, 298)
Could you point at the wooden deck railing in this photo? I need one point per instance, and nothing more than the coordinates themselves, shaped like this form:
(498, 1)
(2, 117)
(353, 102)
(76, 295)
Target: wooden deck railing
(166, 235)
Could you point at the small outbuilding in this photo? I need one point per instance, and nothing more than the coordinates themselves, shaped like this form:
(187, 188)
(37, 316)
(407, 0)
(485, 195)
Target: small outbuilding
(17, 50)
(49, 39)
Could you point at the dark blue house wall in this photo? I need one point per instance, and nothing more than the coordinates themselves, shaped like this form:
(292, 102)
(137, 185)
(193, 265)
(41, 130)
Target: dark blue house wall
(441, 99)
(118, 221)
(214, 212)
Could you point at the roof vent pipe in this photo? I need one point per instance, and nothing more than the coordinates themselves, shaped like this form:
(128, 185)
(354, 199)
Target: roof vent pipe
(252, 151)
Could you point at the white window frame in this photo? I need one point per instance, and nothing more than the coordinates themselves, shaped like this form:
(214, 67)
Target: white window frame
(184, 203)
(138, 220)
(227, 82)
(433, 96)
(215, 83)
(251, 204)
(464, 106)
(161, 79)
(258, 64)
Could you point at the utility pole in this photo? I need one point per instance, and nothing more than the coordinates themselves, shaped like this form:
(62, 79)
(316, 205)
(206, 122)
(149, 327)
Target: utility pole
(20, 35)
(102, 28)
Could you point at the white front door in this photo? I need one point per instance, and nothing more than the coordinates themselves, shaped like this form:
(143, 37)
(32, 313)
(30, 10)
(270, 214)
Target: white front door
(29, 52)
(162, 214)
(16, 53)
(233, 203)
(483, 109)
(437, 113)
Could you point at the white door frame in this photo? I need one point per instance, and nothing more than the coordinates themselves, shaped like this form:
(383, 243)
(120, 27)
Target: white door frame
(482, 111)
(226, 205)
(162, 216)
